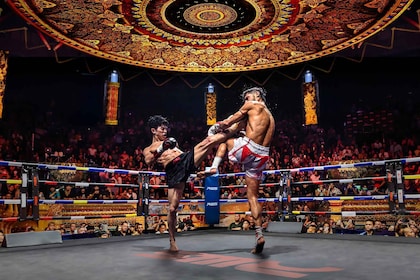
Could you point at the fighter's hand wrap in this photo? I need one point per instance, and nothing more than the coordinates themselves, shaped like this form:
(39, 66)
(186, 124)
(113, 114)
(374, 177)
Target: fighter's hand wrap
(214, 129)
(169, 143)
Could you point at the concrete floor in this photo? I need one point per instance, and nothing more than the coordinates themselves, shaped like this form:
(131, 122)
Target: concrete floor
(217, 254)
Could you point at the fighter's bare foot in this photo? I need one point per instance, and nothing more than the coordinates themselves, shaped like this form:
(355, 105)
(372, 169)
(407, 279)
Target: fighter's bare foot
(259, 246)
(172, 247)
(207, 172)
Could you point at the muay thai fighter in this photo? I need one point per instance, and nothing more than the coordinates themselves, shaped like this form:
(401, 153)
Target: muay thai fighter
(251, 150)
(178, 165)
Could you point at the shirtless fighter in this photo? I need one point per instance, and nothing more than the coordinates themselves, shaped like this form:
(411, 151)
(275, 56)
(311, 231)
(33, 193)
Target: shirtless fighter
(251, 150)
(178, 165)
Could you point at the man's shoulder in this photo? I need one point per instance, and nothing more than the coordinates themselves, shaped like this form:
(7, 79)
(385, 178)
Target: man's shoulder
(151, 146)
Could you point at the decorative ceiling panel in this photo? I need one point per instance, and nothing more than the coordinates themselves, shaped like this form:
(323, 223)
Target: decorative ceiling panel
(210, 35)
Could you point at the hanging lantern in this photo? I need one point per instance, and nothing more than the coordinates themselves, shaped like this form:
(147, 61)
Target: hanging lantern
(310, 99)
(211, 99)
(111, 99)
(3, 73)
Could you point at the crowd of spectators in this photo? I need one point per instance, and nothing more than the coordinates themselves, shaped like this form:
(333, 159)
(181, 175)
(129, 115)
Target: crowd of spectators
(402, 227)
(294, 146)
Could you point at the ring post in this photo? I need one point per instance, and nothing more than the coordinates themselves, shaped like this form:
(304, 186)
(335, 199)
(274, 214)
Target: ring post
(35, 193)
(280, 196)
(212, 205)
(289, 193)
(23, 195)
(390, 185)
(139, 209)
(400, 187)
(145, 198)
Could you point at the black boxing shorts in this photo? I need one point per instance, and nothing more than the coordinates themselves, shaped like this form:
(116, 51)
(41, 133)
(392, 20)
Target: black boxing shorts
(180, 169)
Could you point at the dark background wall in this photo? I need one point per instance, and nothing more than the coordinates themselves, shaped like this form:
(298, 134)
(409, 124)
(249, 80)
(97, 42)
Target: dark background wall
(35, 86)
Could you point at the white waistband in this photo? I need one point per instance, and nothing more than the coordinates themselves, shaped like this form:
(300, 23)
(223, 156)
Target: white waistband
(258, 147)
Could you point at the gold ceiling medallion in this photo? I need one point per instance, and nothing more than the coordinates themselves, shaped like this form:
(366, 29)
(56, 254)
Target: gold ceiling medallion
(210, 35)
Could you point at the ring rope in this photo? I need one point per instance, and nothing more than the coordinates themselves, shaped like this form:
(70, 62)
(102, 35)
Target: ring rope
(79, 168)
(412, 177)
(342, 181)
(44, 218)
(179, 213)
(157, 201)
(327, 167)
(353, 213)
(342, 213)
(68, 201)
(157, 186)
(221, 212)
(353, 165)
(84, 184)
(244, 186)
(327, 198)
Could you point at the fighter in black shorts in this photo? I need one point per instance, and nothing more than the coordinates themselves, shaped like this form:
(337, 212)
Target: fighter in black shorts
(180, 168)
(178, 164)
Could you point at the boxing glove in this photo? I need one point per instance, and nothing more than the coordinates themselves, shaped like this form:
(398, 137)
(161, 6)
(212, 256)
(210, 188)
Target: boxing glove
(169, 143)
(214, 129)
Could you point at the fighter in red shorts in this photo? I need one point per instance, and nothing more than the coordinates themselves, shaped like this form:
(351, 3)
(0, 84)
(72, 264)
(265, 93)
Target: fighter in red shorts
(251, 150)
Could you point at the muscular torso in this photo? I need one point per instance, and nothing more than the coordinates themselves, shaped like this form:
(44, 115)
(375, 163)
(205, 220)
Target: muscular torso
(260, 126)
(164, 159)
(167, 156)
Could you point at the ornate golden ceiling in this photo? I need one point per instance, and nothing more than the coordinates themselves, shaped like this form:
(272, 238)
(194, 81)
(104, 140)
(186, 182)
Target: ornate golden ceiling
(210, 35)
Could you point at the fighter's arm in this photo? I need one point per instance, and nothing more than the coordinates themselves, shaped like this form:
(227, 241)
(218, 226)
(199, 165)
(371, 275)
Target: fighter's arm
(240, 115)
(155, 150)
(150, 152)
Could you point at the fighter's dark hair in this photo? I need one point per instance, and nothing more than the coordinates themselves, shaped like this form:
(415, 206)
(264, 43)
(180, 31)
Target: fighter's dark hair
(156, 121)
(247, 89)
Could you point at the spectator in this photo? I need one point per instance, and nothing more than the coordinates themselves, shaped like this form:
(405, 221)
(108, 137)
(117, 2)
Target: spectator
(409, 187)
(123, 230)
(333, 190)
(96, 194)
(245, 225)
(350, 189)
(350, 225)
(162, 228)
(104, 231)
(236, 224)
(312, 228)
(138, 229)
(369, 229)
(82, 194)
(322, 191)
(2, 239)
(82, 229)
(51, 226)
(251, 223)
(54, 193)
(131, 194)
(326, 228)
(189, 224)
(408, 232)
(306, 222)
(73, 228)
(68, 193)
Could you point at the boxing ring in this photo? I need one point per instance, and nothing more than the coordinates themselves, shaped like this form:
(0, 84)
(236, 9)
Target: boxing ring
(29, 206)
(212, 253)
